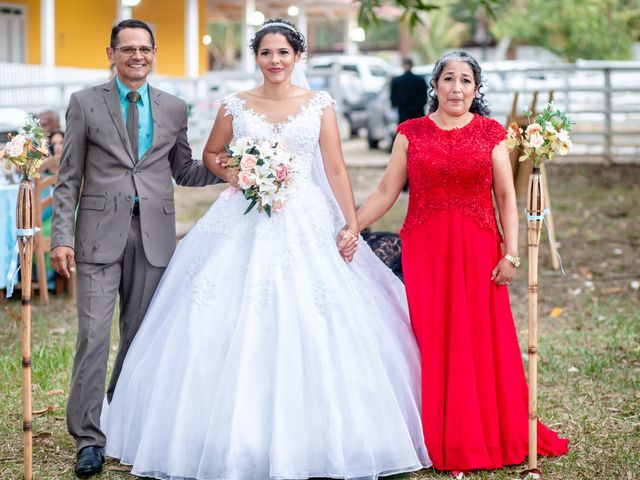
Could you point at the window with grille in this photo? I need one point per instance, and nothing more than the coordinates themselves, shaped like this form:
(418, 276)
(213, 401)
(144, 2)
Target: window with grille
(12, 33)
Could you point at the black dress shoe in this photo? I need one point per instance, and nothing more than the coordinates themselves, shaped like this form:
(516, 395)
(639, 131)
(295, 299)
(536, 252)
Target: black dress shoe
(89, 461)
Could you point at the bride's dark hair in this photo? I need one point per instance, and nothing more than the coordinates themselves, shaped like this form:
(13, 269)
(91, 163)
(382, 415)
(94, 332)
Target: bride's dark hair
(292, 34)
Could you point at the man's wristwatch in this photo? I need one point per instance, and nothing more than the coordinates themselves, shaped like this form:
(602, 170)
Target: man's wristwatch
(515, 261)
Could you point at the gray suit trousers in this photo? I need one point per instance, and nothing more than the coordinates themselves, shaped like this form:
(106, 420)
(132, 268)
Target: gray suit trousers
(135, 279)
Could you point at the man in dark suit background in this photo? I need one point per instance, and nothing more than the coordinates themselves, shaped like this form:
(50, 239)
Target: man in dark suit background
(408, 93)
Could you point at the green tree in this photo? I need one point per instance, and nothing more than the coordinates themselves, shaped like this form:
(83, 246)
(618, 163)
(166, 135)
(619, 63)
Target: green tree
(414, 8)
(573, 29)
(437, 33)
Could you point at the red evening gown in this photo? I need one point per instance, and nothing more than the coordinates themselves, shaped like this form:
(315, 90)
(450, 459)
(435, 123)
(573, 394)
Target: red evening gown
(474, 390)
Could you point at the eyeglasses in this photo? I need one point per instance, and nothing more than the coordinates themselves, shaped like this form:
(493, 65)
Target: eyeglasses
(128, 51)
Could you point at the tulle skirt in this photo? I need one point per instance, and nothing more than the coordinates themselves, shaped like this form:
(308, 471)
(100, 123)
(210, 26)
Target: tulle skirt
(265, 356)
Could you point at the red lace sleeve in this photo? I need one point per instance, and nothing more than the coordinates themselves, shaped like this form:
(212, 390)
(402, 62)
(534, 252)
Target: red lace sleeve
(495, 132)
(408, 128)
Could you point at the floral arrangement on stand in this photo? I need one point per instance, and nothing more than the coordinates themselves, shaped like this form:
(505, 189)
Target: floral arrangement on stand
(26, 150)
(264, 172)
(545, 137)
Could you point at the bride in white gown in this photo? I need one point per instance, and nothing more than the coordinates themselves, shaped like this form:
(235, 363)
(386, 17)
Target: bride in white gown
(265, 354)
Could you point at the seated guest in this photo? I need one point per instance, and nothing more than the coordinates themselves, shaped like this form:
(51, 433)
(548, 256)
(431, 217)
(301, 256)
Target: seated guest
(56, 138)
(49, 120)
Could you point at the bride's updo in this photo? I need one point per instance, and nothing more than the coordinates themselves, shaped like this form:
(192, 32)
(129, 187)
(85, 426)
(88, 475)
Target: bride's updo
(287, 29)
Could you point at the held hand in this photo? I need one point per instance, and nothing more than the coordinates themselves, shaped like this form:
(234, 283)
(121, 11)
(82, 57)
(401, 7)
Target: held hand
(63, 261)
(222, 159)
(232, 177)
(503, 272)
(347, 243)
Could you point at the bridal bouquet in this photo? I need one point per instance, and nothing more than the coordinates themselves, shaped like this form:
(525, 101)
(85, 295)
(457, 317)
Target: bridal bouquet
(26, 150)
(264, 172)
(543, 138)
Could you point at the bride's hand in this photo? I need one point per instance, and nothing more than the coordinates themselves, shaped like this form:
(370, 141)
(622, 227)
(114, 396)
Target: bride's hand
(347, 243)
(222, 159)
(232, 177)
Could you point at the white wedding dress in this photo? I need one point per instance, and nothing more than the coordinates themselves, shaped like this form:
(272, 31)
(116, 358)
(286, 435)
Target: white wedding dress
(263, 354)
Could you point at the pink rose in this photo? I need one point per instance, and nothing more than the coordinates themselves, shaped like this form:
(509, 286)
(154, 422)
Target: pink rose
(281, 173)
(533, 128)
(246, 180)
(248, 162)
(278, 205)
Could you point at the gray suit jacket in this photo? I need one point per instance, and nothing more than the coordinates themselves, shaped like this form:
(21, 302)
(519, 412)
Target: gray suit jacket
(98, 172)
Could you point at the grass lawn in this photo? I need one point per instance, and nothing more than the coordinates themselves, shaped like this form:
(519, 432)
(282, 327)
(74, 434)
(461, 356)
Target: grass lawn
(589, 337)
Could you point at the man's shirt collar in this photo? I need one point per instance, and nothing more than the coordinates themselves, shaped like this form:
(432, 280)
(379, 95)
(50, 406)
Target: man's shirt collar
(123, 90)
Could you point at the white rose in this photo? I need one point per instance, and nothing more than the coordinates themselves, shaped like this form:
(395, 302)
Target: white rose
(536, 140)
(268, 186)
(565, 147)
(264, 148)
(239, 146)
(267, 197)
(19, 139)
(14, 150)
(563, 136)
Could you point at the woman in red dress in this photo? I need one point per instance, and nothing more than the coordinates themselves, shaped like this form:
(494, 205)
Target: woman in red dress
(474, 390)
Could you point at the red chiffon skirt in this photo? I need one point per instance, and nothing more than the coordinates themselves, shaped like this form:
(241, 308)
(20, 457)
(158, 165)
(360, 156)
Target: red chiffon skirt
(474, 390)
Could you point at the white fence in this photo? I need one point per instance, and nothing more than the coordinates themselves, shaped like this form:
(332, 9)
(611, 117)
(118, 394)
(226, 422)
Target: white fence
(603, 98)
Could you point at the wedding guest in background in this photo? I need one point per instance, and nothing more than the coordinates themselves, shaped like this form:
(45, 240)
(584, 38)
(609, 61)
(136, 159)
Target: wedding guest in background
(50, 166)
(408, 96)
(56, 140)
(408, 93)
(474, 390)
(49, 120)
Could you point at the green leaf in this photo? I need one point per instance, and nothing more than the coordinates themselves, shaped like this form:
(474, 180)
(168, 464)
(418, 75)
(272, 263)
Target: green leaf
(267, 210)
(251, 205)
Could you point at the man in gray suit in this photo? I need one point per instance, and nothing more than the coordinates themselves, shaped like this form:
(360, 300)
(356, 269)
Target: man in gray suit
(125, 140)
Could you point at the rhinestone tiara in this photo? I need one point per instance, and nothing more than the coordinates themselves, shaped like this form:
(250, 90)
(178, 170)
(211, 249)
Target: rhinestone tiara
(278, 24)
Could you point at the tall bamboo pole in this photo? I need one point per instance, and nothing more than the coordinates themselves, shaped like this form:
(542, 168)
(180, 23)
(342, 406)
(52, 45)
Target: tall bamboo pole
(535, 212)
(24, 221)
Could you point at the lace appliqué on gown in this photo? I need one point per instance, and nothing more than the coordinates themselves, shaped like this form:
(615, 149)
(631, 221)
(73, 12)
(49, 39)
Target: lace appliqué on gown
(439, 163)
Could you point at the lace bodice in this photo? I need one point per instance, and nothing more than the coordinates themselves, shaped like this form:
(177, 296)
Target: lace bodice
(451, 169)
(306, 200)
(300, 132)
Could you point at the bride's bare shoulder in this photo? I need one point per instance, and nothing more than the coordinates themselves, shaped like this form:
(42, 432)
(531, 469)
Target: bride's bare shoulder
(301, 92)
(249, 94)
